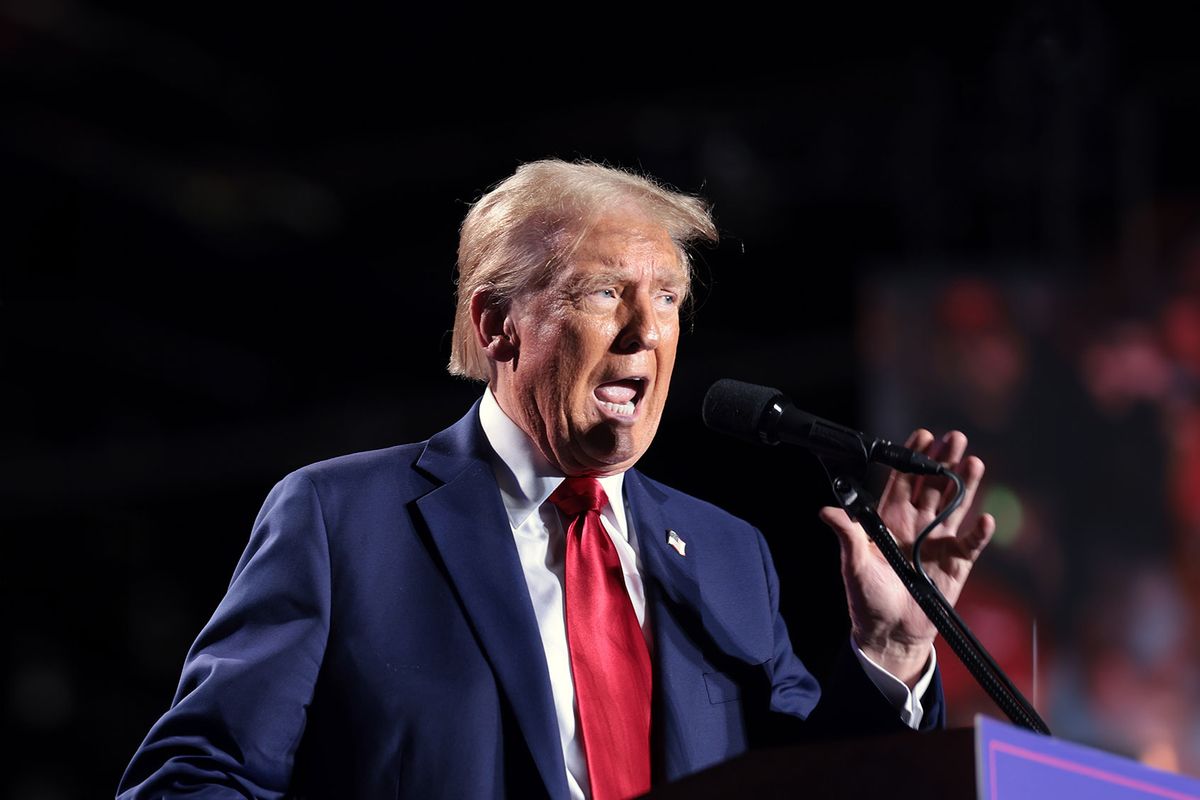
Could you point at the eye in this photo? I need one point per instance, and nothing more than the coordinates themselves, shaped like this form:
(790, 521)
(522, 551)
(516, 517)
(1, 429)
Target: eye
(607, 293)
(668, 298)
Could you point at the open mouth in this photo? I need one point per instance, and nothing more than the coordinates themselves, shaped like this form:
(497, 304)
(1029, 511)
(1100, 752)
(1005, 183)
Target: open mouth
(621, 397)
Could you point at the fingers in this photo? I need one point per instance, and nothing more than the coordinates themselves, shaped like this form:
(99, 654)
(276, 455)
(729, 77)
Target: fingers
(901, 485)
(971, 471)
(974, 540)
(928, 494)
(930, 491)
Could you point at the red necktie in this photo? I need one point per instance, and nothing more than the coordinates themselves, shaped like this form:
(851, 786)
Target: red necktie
(609, 660)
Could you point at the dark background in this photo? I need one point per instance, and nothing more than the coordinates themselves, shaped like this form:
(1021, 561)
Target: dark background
(228, 249)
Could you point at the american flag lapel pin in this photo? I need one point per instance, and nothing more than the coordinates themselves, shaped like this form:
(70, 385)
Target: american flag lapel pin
(676, 541)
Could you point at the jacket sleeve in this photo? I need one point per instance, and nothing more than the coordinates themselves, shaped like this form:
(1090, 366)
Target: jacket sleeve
(240, 710)
(794, 690)
(847, 702)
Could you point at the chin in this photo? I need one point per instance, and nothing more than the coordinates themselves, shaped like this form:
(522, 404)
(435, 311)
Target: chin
(616, 460)
(608, 447)
(593, 460)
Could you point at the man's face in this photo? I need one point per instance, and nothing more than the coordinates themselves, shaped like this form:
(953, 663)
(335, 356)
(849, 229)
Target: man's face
(595, 348)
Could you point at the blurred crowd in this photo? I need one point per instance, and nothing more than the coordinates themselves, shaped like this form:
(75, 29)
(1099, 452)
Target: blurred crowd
(1083, 397)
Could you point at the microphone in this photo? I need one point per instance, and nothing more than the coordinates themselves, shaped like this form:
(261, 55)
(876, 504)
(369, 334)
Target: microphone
(765, 415)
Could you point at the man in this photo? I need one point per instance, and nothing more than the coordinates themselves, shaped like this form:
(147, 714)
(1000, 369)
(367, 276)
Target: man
(510, 609)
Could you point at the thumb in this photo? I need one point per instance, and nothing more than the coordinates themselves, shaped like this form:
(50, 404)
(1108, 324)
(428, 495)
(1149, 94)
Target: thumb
(851, 536)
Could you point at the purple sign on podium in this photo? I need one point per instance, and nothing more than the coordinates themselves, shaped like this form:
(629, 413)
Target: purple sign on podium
(1016, 764)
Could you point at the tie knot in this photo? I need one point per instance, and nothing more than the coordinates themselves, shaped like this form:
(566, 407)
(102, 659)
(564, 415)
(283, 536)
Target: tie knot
(577, 495)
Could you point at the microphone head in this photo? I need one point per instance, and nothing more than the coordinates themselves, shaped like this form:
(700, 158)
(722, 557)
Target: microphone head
(740, 409)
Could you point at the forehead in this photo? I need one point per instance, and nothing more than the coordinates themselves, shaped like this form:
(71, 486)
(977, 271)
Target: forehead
(629, 243)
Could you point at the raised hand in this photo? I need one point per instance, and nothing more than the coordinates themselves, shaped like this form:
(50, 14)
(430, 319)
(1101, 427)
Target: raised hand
(887, 623)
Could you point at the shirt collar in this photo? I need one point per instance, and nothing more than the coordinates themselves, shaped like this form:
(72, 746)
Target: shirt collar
(525, 477)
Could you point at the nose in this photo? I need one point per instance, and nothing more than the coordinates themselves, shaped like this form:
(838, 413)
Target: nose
(641, 329)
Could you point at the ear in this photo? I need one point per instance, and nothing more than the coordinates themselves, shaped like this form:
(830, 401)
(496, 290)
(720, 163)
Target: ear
(493, 328)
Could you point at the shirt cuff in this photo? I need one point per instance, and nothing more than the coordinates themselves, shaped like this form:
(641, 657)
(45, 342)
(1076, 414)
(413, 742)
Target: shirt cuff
(906, 701)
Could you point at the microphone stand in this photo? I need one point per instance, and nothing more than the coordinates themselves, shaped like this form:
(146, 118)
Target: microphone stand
(859, 504)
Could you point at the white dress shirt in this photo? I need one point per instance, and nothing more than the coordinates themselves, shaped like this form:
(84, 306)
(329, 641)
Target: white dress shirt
(526, 482)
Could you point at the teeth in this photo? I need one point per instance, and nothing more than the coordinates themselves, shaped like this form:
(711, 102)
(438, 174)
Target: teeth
(625, 409)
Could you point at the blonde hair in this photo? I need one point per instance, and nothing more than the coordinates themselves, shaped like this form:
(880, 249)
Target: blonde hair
(517, 235)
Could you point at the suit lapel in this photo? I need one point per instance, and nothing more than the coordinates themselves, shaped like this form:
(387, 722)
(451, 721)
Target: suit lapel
(697, 612)
(673, 573)
(469, 527)
(697, 582)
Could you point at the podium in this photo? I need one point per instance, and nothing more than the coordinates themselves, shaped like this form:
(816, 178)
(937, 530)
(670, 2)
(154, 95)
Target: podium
(992, 761)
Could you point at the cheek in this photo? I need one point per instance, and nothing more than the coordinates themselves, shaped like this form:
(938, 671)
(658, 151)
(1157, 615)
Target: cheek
(561, 375)
(582, 351)
(666, 356)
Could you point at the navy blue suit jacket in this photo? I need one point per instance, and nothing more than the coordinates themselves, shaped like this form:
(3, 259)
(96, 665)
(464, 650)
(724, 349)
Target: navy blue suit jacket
(378, 640)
